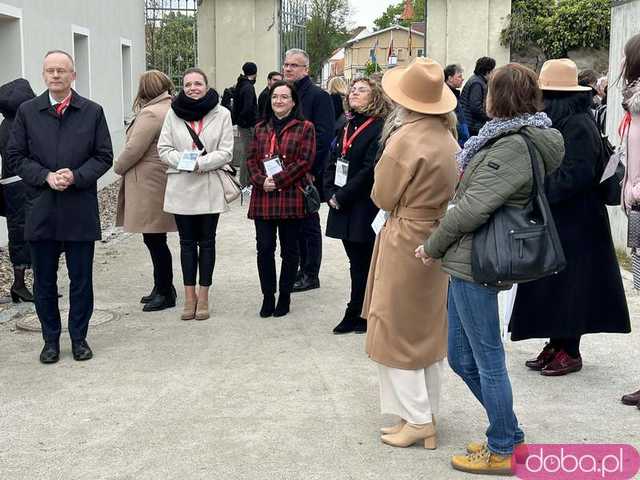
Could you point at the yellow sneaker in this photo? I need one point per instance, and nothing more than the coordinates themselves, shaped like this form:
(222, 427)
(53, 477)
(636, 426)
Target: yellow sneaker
(483, 462)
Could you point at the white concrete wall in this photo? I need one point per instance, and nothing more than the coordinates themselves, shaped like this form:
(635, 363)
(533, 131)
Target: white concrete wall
(461, 32)
(231, 32)
(625, 22)
(42, 25)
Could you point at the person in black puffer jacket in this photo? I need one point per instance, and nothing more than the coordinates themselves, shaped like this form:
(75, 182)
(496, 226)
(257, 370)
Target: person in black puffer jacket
(474, 95)
(12, 95)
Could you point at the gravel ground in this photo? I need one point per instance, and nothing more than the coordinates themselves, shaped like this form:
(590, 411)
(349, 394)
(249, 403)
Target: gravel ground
(108, 202)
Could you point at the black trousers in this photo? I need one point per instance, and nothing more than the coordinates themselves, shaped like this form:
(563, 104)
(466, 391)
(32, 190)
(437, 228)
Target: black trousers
(310, 245)
(162, 262)
(45, 256)
(14, 196)
(288, 231)
(197, 247)
(359, 254)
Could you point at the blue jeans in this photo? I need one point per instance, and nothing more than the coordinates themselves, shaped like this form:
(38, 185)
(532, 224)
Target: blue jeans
(476, 354)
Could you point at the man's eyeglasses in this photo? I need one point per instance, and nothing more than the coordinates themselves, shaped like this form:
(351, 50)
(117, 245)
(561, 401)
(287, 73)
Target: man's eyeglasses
(293, 65)
(59, 71)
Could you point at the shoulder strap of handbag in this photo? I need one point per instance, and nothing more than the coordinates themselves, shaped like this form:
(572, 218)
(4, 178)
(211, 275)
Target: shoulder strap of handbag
(538, 178)
(196, 139)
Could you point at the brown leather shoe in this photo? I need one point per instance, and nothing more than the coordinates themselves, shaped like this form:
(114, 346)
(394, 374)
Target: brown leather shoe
(543, 359)
(632, 399)
(562, 364)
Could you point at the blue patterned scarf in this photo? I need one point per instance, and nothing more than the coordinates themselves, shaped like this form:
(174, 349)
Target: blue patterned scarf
(495, 128)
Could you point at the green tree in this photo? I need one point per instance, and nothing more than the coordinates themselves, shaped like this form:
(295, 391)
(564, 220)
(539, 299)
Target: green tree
(326, 30)
(171, 45)
(557, 27)
(391, 16)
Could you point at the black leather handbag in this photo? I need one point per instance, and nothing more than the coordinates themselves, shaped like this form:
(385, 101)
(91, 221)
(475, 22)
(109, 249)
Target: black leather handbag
(518, 245)
(311, 198)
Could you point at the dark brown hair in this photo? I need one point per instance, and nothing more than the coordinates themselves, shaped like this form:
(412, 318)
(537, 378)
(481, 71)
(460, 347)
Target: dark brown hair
(513, 91)
(296, 111)
(152, 84)
(631, 67)
(197, 70)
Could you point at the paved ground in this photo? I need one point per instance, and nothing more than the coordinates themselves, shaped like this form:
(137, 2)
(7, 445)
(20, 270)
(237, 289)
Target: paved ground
(240, 397)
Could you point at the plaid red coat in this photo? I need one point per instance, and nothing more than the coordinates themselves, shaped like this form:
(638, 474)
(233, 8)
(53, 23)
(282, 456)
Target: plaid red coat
(297, 150)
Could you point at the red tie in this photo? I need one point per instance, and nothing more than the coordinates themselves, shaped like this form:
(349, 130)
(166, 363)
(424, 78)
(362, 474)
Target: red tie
(62, 106)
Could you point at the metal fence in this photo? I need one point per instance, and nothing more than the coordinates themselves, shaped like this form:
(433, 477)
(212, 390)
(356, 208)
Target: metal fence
(293, 19)
(171, 36)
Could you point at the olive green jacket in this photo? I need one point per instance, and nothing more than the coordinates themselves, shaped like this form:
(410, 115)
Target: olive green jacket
(499, 174)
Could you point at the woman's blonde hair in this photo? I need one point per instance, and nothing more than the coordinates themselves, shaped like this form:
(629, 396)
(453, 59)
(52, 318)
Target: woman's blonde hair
(396, 118)
(152, 84)
(380, 105)
(337, 85)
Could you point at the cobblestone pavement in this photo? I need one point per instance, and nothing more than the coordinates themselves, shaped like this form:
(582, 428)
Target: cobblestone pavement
(240, 397)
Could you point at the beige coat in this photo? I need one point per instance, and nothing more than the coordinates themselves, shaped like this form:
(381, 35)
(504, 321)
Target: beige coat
(141, 195)
(405, 302)
(190, 193)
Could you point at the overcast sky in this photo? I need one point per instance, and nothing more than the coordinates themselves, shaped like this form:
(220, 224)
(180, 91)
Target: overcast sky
(364, 12)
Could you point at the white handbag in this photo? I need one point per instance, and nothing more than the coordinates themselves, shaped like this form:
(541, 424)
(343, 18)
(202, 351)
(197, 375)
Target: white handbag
(230, 186)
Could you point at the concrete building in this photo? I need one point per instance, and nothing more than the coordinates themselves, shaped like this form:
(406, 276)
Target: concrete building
(389, 46)
(625, 22)
(461, 32)
(105, 38)
(231, 32)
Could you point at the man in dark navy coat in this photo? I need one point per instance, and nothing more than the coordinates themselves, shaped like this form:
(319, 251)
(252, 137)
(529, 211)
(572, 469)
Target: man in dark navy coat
(60, 146)
(317, 107)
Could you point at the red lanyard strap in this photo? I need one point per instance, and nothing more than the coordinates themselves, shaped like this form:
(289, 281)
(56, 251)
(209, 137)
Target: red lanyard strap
(624, 124)
(274, 145)
(347, 142)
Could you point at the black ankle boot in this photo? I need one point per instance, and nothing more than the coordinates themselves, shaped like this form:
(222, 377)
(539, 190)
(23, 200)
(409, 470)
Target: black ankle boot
(19, 290)
(284, 301)
(268, 306)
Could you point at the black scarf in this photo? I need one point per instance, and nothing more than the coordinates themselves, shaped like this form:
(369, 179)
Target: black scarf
(192, 110)
(279, 123)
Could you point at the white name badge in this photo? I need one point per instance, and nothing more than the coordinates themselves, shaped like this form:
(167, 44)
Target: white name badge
(342, 171)
(379, 221)
(273, 166)
(188, 160)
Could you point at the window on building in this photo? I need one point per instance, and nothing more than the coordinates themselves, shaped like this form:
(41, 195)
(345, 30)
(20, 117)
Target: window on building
(421, 52)
(11, 51)
(127, 82)
(82, 58)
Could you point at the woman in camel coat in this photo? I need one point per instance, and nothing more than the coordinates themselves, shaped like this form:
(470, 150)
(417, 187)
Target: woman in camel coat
(405, 302)
(141, 195)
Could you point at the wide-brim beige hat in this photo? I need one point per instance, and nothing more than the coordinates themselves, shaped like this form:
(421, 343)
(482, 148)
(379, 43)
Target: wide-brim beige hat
(420, 87)
(560, 75)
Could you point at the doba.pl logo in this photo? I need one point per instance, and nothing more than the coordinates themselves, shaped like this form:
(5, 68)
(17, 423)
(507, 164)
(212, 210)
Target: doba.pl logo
(576, 462)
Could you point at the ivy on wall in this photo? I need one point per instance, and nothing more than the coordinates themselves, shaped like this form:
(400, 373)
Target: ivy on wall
(558, 26)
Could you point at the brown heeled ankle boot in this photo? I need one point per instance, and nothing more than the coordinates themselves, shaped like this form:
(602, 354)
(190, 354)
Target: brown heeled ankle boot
(189, 312)
(411, 434)
(202, 311)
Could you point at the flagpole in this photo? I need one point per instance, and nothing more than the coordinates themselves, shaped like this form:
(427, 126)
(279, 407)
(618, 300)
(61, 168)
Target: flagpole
(426, 30)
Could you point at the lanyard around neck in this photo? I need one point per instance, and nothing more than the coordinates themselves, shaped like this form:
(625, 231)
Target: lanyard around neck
(347, 142)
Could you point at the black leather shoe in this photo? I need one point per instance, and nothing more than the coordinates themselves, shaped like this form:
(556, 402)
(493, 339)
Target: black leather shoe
(360, 325)
(148, 298)
(154, 292)
(268, 306)
(282, 308)
(21, 294)
(345, 326)
(160, 302)
(50, 353)
(307, 283)
(81, 350)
